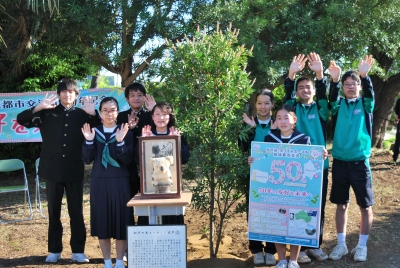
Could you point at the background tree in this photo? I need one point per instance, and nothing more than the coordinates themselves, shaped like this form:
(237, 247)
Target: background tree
(125, 36)
(341, 30)
(207, 74)
(38, 48)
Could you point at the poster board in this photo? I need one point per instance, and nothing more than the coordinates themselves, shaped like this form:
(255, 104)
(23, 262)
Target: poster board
(285, 193)
(157, 246)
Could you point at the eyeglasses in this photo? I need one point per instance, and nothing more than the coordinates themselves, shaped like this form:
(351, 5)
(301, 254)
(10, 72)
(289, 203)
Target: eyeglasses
(105, 112)
(351, 85)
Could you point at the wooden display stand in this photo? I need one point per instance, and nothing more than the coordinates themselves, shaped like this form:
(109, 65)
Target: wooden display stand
(155, 208)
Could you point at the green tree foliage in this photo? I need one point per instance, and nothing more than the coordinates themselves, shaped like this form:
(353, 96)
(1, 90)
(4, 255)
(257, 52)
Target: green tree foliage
(344, 31)
(207, 74)
(38, 47)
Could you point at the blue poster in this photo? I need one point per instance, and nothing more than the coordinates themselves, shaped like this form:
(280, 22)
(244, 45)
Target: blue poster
(285, 193)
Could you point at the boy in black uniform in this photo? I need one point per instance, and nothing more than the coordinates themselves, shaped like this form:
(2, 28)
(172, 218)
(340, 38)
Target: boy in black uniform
(137, 117)
(61, 165)
(351, 150)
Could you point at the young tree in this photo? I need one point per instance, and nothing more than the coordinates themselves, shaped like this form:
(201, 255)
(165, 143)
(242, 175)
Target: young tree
(207, 74)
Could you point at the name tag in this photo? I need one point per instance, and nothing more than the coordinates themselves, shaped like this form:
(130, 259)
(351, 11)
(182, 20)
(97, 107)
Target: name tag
(357, 111)
(311, 116)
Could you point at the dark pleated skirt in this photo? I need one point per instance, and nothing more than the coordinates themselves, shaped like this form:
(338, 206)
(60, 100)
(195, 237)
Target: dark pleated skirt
(109, 215)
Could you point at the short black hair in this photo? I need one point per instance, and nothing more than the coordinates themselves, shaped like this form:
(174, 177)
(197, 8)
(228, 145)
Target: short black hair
(355, 75)
(107, 99)
(304, 78)
(67, 84)
(135, 86)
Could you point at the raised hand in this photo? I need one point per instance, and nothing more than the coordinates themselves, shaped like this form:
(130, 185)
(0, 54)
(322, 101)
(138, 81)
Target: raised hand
(88, 105)
(325, 154)
(250, 160)
(297, 65)
(315, 64)
(365, 65)
(174, 132)
(274, 125)
(146, 131)
(249, 121)
(133, 120)
(120, 133)
(88, 132)
(334, 71)
(149, 102)
(47, 103)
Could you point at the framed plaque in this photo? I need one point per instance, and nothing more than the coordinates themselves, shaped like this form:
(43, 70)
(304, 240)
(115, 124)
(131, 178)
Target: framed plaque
(160, 166)
(157, 246)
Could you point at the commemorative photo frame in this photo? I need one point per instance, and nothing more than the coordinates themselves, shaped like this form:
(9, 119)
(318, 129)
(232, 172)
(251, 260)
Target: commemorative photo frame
(160, 167)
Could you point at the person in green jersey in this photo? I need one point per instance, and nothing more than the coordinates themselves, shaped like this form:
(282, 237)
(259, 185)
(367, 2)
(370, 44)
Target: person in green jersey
(352, 130)
(312, 119)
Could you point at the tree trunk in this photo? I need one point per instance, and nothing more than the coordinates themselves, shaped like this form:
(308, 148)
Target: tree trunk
(385, 97)
(95, 81)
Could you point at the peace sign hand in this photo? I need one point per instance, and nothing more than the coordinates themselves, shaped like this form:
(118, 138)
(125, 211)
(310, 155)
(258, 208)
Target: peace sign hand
(146, 131)
(174, 132)
(133, 120)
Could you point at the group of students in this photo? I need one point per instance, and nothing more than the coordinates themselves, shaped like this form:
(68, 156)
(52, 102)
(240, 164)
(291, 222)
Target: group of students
(305, 122)
(108, 138)
(73, 136)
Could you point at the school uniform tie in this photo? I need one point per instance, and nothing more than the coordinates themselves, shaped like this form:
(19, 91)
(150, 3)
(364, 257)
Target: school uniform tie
(105, 155)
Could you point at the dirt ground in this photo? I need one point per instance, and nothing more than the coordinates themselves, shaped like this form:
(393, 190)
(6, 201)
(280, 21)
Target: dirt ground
(25, 244)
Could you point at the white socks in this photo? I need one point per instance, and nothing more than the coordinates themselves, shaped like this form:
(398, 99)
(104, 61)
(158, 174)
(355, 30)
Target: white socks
(341, 237)
(362, 240)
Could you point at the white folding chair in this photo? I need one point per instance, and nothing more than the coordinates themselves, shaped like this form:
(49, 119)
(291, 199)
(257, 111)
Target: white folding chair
(39, 185)
(9, 165)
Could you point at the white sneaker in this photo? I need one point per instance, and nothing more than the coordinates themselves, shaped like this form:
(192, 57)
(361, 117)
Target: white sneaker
(338, 252)
(281, 264)
(317, 253)
(79, 257)
(293, 264)
(259, 258)
(270, 259)
(360, 253)
(53, 257)
(125, 258)
(303, 257)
